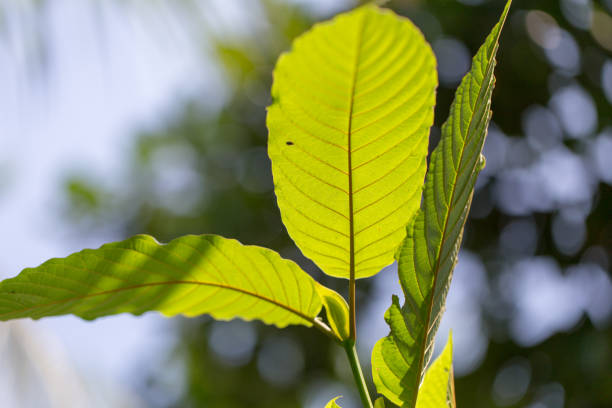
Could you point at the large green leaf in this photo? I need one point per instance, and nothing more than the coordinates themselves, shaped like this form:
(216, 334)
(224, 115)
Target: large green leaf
(429, 252)
(438, 388)
(191, 275)
(353, 105)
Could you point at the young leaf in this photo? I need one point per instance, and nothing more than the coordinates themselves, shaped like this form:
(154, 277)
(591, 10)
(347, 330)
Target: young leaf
(191, 275)
(380, 403)
(332, 403)
(438, 388)
(349, 125)
(429, 252)
(337, 311)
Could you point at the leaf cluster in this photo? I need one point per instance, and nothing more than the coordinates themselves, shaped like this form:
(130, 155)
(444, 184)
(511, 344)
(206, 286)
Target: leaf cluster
(353, 103)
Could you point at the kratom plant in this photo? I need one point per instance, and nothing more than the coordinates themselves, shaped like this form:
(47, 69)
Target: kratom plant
(353, 104)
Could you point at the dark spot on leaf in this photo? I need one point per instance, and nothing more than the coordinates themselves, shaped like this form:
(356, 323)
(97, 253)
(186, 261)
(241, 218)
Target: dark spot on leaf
(289, 143)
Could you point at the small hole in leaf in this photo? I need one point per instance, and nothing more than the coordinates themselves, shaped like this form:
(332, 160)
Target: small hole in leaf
(289, 143)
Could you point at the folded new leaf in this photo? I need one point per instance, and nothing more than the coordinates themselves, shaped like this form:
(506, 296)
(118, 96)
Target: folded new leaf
(428, 255)
(349, 125)
(332, 403)
(379, 403)
(191, 275)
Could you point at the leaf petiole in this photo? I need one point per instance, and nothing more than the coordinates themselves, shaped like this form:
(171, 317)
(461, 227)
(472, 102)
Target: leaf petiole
(326, 330)
(352, 312)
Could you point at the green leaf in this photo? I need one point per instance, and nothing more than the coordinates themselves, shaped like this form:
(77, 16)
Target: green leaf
(353, 105)
(332, 403)
(438, 388)
(429, 252)
(379, 403)
(337, 311)
(191, 275)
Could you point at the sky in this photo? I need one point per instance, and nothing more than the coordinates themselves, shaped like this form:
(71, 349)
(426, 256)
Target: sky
(78, 115)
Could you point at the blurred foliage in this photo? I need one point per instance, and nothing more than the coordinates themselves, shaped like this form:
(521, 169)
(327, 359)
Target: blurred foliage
(206, 170)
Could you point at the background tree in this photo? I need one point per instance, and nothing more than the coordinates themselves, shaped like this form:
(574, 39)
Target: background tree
(534, 278)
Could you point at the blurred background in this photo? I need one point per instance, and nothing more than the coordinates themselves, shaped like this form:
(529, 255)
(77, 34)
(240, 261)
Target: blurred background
(131, 116)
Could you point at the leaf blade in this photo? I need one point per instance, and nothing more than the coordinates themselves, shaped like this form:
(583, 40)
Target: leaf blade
(337, 311)
(191, 275)
(437, 390)
(333, 404)
(348, 134)
(428, 254)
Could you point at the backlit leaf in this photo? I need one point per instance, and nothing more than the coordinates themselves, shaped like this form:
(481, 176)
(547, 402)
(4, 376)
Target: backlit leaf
(332, 403)
(438, 389)
(349, 125)
(379, 403)
(429, 252)
(337, 311)
(191, 275)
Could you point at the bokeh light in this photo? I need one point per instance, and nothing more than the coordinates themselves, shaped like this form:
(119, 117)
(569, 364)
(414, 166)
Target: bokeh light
(123, 118)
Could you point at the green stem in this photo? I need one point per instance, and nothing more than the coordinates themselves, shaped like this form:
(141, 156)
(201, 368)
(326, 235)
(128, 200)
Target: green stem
(351, 352)
(352, 312)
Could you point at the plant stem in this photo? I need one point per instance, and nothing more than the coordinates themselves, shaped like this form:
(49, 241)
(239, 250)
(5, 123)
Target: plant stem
(352, 312)
(351, 352)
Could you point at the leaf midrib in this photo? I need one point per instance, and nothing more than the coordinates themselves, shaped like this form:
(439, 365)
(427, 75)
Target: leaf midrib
(162, 283)
(359, 34)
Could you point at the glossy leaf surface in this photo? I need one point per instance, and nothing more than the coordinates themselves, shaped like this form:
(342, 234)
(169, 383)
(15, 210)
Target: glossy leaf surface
(348, 135)
(429, 252)
(191, 275)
